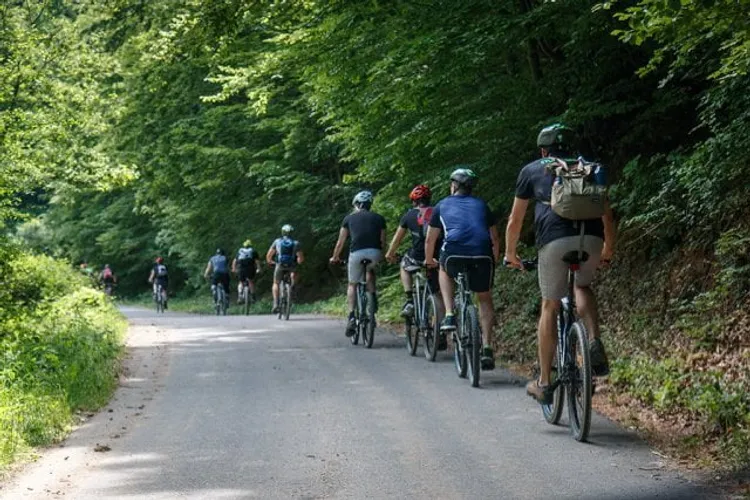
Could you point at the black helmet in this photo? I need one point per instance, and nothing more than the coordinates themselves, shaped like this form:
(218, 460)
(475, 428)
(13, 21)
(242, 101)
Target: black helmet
(219, 251)
(464, 176)
(557, 135)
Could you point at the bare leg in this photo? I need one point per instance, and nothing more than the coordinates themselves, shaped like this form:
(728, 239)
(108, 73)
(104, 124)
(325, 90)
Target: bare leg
(371, 281)
(350, 296)
(486, 316)
(588, 310)
(446, 290)
(251, 285)
(275, 292)
(406, 280)
(547, 335)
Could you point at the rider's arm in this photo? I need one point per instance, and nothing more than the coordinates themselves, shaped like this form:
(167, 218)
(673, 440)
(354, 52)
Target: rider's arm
(234, 265)
(300, 257)
(269, 255)
(208, 270)
(610, 233)
(433, 233)
(513, 230)
(495, 237)
(343, 235)
(395, 242)
(151, 277)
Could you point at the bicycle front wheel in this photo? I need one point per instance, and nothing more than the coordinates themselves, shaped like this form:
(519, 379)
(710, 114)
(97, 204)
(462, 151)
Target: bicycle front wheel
(412, 336)
(430, 329)
(359, 315)
(579, 391)
(474, 347)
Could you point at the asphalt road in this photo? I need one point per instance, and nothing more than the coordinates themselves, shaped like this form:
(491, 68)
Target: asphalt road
(235, 407)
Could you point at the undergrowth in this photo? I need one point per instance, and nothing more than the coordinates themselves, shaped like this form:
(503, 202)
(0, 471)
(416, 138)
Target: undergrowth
(60, 343)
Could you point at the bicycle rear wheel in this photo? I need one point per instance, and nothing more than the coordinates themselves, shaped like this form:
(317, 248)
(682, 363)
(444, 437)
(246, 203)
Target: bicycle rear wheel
(430, 328)
(246, 297)
(288, 302)
(358, 315)
(553, 412)
(412, 336)
(474, 347)
(579, 391)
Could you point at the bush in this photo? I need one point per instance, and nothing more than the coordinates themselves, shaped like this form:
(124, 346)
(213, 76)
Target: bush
(60, 343)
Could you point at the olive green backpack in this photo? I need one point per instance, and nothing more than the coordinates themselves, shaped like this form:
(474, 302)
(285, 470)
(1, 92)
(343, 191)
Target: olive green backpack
(578, 191)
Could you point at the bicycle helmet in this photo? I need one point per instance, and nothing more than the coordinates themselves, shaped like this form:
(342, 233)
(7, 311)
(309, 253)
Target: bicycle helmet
(362, 198)
(464, 176)
(219, 251)
(556, 134)
(420, 192)
(159, 260)
(247, 243)
(287, 229)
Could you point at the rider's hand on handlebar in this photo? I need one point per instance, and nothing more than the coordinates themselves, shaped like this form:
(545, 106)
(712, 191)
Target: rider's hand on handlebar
(513, 261)
(334, 260)
(430, 262)
(391, 257)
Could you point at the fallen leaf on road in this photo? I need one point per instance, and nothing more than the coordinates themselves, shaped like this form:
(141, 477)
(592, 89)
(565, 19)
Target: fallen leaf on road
(101, 448)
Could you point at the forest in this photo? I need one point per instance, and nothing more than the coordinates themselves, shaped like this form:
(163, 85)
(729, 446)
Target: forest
(133, 128)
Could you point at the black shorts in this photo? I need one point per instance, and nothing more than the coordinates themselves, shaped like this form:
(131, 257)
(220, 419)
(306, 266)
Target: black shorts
(163, 281)
(222, 278)
(246, 273)
(431, 273)
(479, 268)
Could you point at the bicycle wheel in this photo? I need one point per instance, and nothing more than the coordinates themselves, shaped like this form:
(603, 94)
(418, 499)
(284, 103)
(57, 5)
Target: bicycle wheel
(553, 412)
(579, 391)
(459, 350)
(430, 328)
(474, 346)
(223, 301)
(368, 332)
(288, 302)
(358, 316)
(246, 300)
(412, 335)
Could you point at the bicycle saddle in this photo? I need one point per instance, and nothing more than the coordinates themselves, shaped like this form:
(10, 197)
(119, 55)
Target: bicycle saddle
(572, 257)
(365, 262)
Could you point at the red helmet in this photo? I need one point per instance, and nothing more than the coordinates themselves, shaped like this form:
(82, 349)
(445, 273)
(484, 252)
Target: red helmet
(159, 260)
(420, 192)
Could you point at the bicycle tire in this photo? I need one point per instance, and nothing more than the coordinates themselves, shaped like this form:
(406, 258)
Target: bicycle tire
(474, 351)
(431, 329)
(459, 353)
(288, 303)
(357, 317)
(553, 412)
(223, 302)
(412, 336)
(579, 391)
(246, 298)
(369, 331)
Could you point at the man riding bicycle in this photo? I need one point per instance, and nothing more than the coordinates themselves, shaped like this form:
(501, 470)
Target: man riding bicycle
(284, 254)
(159, 276)
(367, 231)
(470, 230)
(108, 279)
(218, 270)
(555, 237)
(245, 265)
(415, 221)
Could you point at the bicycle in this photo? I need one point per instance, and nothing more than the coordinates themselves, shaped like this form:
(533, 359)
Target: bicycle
(246, 297)
(467, 337)
(364, 314)
(285, 294)
(572, 376)
(424, 322)
(159, 298)
(220, 299)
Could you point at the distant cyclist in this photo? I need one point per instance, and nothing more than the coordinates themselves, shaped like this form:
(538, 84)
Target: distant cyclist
(108, 279)
(218, 270)
(284, 254)
(160, 276)
(555, 237)
(470, 229)
(415, 222)
(367, 231)
(245, 265)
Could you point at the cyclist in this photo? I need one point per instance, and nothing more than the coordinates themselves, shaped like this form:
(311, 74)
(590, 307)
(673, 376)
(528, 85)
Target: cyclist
(246, 266)
(470, 229)
(159, 276)
(555, 237)
(108, 279)
(284, 254)
(218, 270)
(367, 231)
(415, 221)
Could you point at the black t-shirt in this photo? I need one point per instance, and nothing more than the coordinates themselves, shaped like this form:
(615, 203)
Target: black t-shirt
(156, 270)
(535, 182)
(417, 227)
(364, 228)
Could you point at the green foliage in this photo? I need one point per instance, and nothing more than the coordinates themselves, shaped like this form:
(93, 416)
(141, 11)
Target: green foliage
(59, 348)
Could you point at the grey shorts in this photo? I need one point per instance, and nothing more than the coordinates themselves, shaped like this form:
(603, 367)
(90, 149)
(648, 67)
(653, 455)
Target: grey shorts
(355, 262)
(553, 272)
(279, 270)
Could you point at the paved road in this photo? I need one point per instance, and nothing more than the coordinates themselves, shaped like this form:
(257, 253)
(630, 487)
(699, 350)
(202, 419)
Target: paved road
(232, 407)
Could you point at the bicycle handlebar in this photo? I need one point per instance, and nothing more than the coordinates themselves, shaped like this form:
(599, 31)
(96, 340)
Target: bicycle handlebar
(528, 264)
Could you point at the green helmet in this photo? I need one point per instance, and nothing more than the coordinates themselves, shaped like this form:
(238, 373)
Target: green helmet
(247, 243)
(464, 176)
(556, 134)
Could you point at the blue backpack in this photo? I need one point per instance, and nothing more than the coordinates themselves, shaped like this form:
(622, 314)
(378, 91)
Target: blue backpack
(285, 250)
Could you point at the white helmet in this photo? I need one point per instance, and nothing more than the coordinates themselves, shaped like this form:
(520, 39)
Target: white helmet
(362, 198)
(286, 229)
